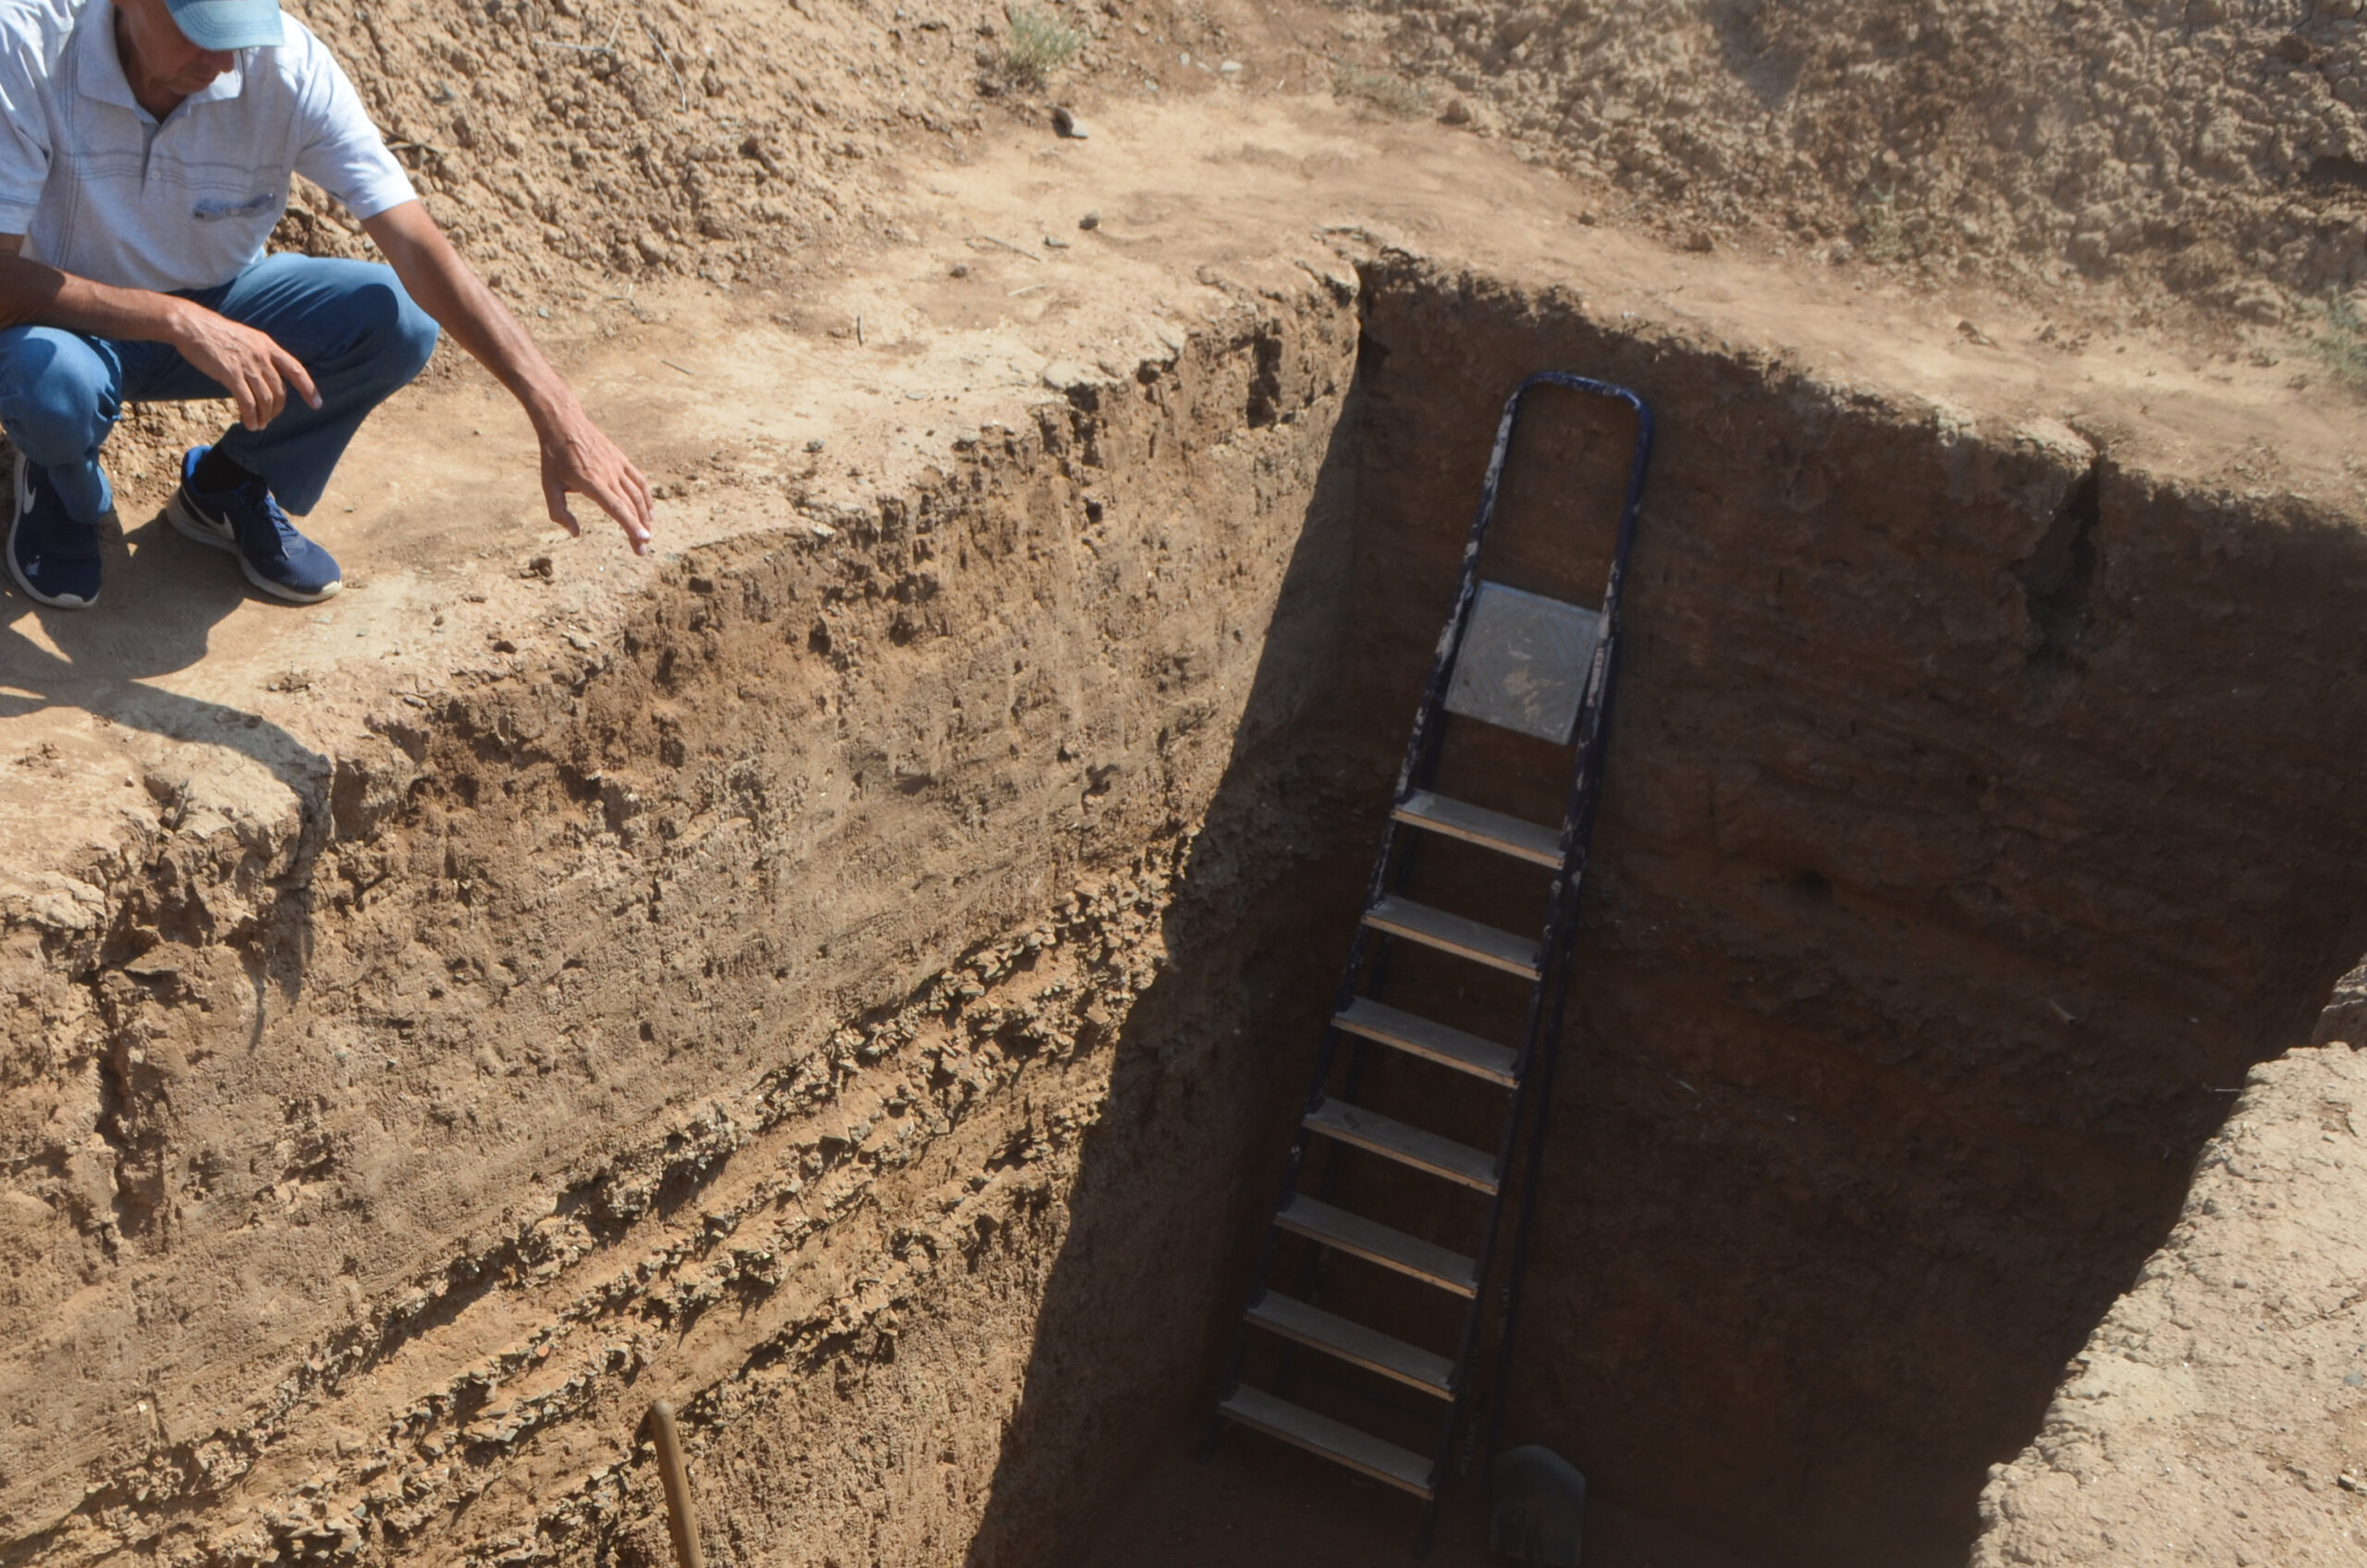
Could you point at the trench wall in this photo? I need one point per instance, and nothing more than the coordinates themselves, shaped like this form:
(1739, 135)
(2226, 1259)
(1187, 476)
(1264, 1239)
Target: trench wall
(1980, 810)
(860, 996)
(709, 1004)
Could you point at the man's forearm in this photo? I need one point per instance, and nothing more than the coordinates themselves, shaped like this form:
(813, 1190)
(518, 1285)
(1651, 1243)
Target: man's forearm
(447, 289)
(34, 294)
(578, 457)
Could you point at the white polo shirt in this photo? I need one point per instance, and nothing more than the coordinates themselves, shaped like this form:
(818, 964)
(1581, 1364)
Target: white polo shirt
(101, 190)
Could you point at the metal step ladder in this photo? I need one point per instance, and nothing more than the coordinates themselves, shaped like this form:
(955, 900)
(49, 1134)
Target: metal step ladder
(1539, 668)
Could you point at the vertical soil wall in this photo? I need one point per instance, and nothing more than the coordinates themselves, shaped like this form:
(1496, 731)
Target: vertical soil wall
(709, 1005)
(861, 994)
(1979, 812)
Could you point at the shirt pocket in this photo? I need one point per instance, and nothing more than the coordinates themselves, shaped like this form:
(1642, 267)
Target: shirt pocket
(213, 210)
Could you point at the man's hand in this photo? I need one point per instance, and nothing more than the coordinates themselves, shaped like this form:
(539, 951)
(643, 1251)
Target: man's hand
(253, 368)
(255, 371)
(579, 457)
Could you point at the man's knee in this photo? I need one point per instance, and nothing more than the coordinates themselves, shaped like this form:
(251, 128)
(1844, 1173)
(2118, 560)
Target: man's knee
(55, 395)
(402, 336)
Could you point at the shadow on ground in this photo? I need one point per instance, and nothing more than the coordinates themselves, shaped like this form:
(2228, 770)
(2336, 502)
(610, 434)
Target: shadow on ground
(161, 599)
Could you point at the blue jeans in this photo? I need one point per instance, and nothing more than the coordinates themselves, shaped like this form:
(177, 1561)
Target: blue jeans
(349, 323)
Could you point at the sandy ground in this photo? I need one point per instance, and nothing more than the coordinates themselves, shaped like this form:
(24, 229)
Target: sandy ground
(2176, 1439)
(889, 359)
(720, 394)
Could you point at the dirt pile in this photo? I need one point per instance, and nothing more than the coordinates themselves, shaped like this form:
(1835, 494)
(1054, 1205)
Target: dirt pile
(2212, 151)
(2207, 153)
(565, 145)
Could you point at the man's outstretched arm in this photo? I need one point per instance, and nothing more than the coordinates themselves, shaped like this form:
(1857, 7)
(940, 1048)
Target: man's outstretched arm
(577, 454)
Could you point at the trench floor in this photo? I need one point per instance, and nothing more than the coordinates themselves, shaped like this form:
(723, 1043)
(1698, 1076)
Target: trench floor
(1256, 1504)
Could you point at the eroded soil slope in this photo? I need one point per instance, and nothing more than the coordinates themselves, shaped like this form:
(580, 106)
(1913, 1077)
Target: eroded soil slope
(2210, 149)
(2219, 1412)
(708, 998)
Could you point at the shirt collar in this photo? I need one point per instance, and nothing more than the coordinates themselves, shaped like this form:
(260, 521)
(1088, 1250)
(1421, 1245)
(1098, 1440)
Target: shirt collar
(98, 72)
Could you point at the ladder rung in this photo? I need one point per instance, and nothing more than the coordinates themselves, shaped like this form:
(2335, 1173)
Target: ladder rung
(1376, 1243)
(1407, 1145)
(1454, 934)
(1477, 824)
(1335, 1440)
(1436, 1042)
(1368, 1348)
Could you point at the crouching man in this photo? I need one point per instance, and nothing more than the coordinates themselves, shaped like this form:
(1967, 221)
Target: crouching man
(145, 151)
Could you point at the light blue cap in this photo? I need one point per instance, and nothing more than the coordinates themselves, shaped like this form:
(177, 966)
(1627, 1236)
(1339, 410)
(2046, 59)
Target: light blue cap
(228, 24)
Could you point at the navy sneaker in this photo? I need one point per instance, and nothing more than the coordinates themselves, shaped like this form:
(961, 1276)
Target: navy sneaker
(52, 557)
(246, 521)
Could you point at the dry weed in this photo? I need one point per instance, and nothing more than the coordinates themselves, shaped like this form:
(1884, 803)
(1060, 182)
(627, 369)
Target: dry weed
(1888, 234)
(2341, 342)
(1041, 44)
(1383, 91)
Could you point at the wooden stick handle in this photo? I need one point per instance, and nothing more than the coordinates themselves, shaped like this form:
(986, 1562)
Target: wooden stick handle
(681, 1523)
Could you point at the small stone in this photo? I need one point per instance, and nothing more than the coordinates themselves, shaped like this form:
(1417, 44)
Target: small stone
(1065, 123)
(1090, 220)
(1230, 68)
(1456, 112)
(815, 444)
(960, 269)
(1056, 244)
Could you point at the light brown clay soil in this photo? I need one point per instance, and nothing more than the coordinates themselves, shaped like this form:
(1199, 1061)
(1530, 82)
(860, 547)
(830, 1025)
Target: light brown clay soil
(2216, 1415)
(2190, 149)
(851, 975)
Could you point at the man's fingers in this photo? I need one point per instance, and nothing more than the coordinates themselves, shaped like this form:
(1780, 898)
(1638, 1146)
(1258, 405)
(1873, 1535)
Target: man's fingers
(555, 498)
(297, 376)
(259, 394)
(619, 503)
(640, 511)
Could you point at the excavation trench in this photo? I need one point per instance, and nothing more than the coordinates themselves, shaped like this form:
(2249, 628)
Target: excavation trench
(864, 1002)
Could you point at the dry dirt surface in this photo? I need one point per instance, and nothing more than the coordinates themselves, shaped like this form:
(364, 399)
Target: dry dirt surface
(2198, 148)
(2219, 1412)
(850, 975)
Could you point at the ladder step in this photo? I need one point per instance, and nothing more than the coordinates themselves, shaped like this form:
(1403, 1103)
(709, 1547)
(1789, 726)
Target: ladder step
(1335, 1440)
(1477, 824)
(1407, 1145)
(1454, 934)
(1376, 1243)
(1436, 1042)
(1368, 1348)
